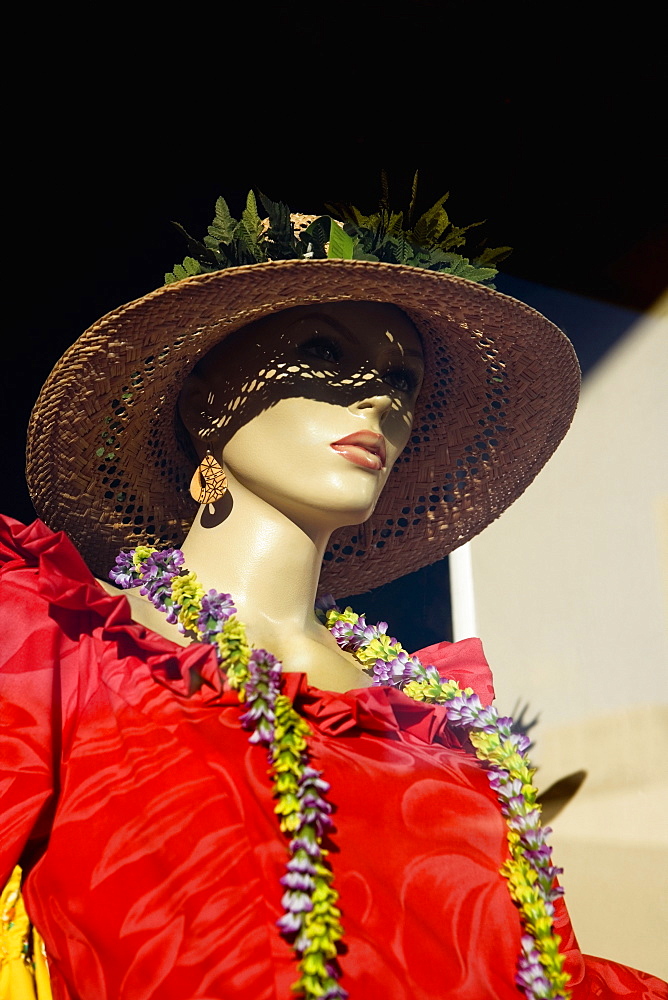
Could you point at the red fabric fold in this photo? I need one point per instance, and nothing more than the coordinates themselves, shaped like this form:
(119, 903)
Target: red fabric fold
(66, 581)
(147, 818)
(464, 662)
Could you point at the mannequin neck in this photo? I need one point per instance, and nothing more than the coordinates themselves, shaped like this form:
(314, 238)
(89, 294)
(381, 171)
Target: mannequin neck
(270, 564)
(266, 560)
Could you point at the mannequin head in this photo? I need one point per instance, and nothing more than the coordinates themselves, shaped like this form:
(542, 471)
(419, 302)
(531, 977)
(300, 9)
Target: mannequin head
(274, 403)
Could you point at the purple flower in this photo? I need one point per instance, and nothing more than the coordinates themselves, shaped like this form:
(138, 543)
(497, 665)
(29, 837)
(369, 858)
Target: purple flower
(518, 741)
(487, 719)
(314, 779)
(348, 635)
(334, 991)
(326, 603)
(504, 725)
(263, 732)
(429, 673)
(301, 943)
(530, 821)
(124, 573)
(546, 876)
(154, 577)
(530, 973)
(513, 806)
(295, 901)
(383, 674)
(296, 880)
(505, 786)
(262, 690)
(216, 609)
(396, 672)
(364, 634)
(539, 855)
(159, 593)
(352, 636)
(163, 564)
(289, 923)
(464, 709)
(301, 862)
(305, 841)
(315, 810)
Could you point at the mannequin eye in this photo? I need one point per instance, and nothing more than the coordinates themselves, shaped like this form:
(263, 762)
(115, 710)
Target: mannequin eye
(323, 348)
(401, 379)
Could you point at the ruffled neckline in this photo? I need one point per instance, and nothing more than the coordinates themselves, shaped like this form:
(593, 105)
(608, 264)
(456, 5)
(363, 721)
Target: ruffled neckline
(192, 671)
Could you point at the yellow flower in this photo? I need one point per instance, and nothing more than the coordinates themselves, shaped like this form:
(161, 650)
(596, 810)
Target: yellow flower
(141, 554)
(234, 652)
(416, 690)
(334, 616)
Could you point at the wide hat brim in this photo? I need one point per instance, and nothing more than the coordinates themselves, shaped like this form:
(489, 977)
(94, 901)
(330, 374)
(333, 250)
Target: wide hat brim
(501, 385)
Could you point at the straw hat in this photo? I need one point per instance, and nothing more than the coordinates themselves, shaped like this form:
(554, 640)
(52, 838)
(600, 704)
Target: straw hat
(104, 463)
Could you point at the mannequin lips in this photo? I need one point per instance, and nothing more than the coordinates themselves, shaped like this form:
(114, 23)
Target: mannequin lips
(363, 448)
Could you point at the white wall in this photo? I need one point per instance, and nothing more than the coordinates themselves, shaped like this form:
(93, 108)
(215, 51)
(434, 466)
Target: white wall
(571, 600)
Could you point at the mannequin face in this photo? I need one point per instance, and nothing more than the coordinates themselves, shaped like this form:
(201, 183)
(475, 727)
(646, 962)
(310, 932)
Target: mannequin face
(310, 407)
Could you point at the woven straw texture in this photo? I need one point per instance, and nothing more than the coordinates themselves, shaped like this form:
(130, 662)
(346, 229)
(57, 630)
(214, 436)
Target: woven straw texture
(500, 391)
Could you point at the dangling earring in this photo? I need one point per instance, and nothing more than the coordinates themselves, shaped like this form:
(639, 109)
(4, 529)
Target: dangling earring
(209, 482)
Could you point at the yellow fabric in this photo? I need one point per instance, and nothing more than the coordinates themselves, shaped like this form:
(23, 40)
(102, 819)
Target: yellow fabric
(22, 977)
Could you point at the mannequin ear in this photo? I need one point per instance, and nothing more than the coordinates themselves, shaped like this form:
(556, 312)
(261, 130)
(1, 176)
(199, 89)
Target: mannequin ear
(193, 408)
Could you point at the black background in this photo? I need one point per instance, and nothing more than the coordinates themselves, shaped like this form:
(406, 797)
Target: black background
(550, 127)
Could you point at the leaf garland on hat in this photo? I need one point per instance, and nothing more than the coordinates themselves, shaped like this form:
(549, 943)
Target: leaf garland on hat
(387, 236)
(394, 238)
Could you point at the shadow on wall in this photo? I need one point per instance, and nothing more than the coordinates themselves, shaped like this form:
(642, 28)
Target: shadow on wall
(593, 327)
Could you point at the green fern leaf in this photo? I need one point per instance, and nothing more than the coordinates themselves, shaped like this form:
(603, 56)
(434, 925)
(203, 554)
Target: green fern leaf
(314, 238)
(395, 223)
(211, 242)
(442, 260)
(277, 213)
(191, 266)
(479, 274)
(218, 255)
(431, 224)
(397, 249)
(491, 255)
(389, 250)
(456, 237)
(187, 269)
(223, 225)
(413, 201)
(251, 220)
(360, 254)
(280, 241)
(348, 213)
(247, 245)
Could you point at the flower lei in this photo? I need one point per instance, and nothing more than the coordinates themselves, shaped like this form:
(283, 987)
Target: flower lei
(312, 919)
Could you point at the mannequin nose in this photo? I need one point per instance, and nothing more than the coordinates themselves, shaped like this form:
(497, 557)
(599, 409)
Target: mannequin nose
(380, 404)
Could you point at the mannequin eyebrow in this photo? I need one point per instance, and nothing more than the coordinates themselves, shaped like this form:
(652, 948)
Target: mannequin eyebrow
(345, 333)
(333, 325)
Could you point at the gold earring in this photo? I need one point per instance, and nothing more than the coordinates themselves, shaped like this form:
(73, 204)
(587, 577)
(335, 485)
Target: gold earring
(209, 482)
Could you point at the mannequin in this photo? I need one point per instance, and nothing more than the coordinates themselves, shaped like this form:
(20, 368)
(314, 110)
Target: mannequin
(352, 367)
(166, 853)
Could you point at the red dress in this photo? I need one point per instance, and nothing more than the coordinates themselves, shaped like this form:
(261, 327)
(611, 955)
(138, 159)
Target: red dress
(145, 820)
